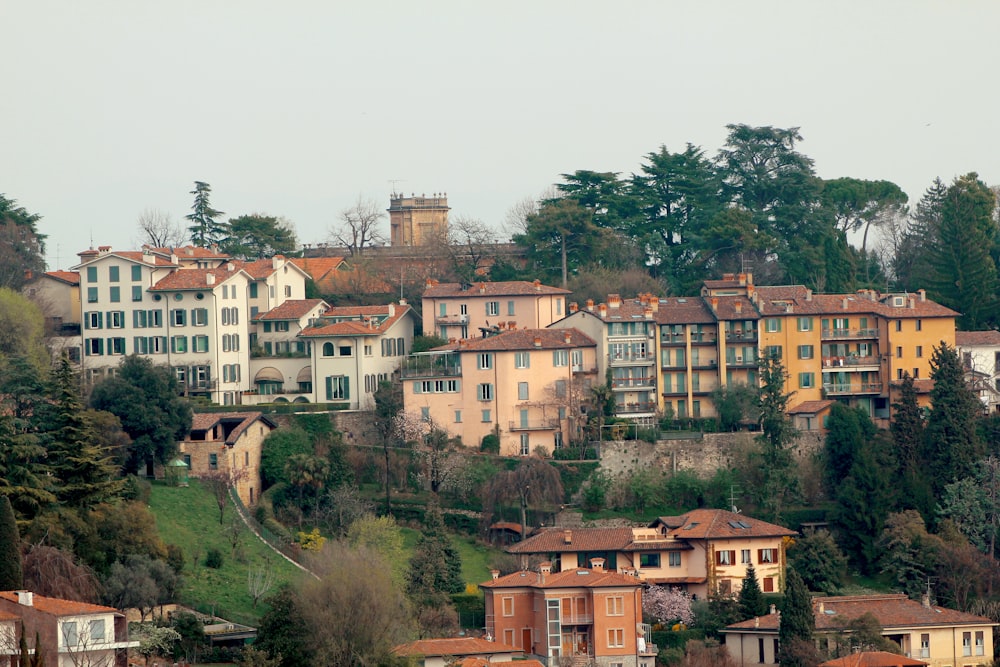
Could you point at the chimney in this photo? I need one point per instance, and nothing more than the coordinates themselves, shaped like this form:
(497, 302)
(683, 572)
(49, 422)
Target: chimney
(26, 598)
(482, 288)
(654, 303)
(843, 303)
(614, 300)
(809, 295)
(574, 307)
(495, 574)
(743, 279)
(925, 600)
(597, 564)
(714, 303)
(209, 278)
(276, 262)
(567, 336)
(911, 303)
(538, 341)
(756, 621)
(568, 536)
(822, 607)
(392, 310)
(173, 258)
(538, 285)
(922, 294)
(402, 302)
(602, 310)
(772, 610)
(590, 305)
(647, 313)
(789, 307)
(738, 307)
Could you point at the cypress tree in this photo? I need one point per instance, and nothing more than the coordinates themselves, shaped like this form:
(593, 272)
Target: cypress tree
(797, 622)
(436, 567)
(11, 575)
(752, 603)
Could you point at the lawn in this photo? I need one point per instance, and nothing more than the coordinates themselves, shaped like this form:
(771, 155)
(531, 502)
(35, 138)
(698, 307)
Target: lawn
(189, 518)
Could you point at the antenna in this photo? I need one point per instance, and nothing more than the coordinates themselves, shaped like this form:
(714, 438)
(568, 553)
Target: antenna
(732, 499)
(393, 181)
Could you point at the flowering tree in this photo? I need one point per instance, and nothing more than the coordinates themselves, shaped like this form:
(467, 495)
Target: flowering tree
(667, 605)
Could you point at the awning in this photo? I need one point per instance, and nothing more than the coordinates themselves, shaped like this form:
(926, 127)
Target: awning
(269, 374)
(305, 375)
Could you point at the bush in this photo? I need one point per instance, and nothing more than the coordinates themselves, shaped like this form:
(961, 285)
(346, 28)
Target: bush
(175, 558)
(573, 453)
(213, 559)
(137, 489)
(651, 434)
(490, 444)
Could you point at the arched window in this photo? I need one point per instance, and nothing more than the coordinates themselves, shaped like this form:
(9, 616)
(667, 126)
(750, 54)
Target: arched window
(327, 349)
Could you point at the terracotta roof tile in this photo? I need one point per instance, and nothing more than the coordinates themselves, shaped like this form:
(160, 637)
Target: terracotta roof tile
(683, 310)
(189, 252)
(70, 277)
(194, 279)
(873, 659)
(292, 309)
(733, 308)
(714, 524)
(523, 339)
(504, 288)
(204, 421)
(810, 407)
(454, 646)
(317, 267)
(577, 577)
(358, 326)
(971, 338)
(59, 607)
(551, 540)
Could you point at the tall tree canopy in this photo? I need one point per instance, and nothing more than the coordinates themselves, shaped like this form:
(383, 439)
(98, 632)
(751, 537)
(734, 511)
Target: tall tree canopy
(205, 230)
(257, 236)
(22, 247)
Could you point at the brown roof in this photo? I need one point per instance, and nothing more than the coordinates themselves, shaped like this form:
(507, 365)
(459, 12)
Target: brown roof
(683, 310)
(713, 524)
(892, 611)
(551, 540)
(457, 646)
(726, 308)
(204, 421)
(293, 309)
(969, 338)
(483, 662)
(131, 255)
(317, 267)
(504, 288)
(810, 407)
(873, 659)
(192, 279)
(577, 577)
(70, 277)
(59, 607)
(359, 326)
(524, 339)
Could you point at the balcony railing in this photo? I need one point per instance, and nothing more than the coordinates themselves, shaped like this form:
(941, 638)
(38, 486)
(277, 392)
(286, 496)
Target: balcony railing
(633, 383)
(534, 425)
(697, 338)
(849, 361)
(574, 618)
(849, 333)
(738, 336)
(431, 366)
(834, 389)
(635, 408)
(750, 362)
(451, 319)
(631, 359)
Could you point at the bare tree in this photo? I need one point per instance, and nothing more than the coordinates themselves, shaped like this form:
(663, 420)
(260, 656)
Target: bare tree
(219, 482)
(533, 483)
(359, 226)
(55, 573)
(158, 229)
(260, 580)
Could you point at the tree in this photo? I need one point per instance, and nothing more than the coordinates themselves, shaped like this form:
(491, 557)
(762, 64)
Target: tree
(776, 439)
(963, 270)
(751, 598)
(278, 447)
(158, 230)
(382, 535)
(907, 430)
(22, 330)
(735, 404)
(22, 248)
(258, 236)
(908, 553)
(260, 580)
(144, 397)
(56, 573)
(532, 484)
(849, 430)
(951, 441)
(154, 640)
(560, 235)
(911, 261)
(131, 586)
(220, 482)
(359, 227)
(205, 230)
(667, 604)
(819, 561)
(283, 633)
(858, 204)
(11, 575)
(307, 473)
(388, 405)
(797, 622)
(24, 478)
(442, 462)
(435, 567)
(973, 504)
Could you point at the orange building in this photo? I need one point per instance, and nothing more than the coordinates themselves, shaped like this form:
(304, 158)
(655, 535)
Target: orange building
(587, 613)
(462, 310)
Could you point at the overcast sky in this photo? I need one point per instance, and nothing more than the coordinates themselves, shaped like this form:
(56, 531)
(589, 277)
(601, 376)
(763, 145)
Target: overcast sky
(297, 108)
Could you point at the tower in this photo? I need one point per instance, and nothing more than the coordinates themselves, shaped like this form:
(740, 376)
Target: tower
(417, 220)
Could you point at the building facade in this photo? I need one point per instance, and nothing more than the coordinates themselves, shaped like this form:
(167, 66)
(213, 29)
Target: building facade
(467, 310)
(418, 220)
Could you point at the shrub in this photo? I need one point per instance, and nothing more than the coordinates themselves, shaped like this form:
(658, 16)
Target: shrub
(175, 557)
(213, 559)
(490, 444)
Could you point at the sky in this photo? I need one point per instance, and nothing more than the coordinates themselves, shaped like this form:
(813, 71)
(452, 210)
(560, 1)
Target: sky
(109, 108)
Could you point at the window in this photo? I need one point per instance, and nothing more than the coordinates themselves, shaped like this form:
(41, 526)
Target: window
(507, 606)
(253, 290)
(281, 326)
(213, 461)
(492, 308)
(345, 351)
(805, 324)
(136, 273)
(91, 295)
(899, 352)
(484, 392)
(113, 273)
(425, 414)
(576, 358)
(368, 350)
(522, 391)
(91, 274)
(116, 319)
(925, 646)
(805, 351)
(560, 357)
(137, 292)
(979, 642)
(674, 558)
(486, 417)
(615, 605)
(288, 290)
(510, 307)
(616, 637)
(199, 343)
(725, 557)
(966, 643)
(199, 317)
(458, 416)
(807, 380)
(522, 360)
(766, 555)
(745, 556)
(899, 325)
(94, 347)
(178, 317)
(157, 344)
(140, 345)
(649, 560)
(484, 360)
(773, 325)
(156, 318)
(920, 351)
(328, 349)
(525, 444)
(116, 294)
(95, 320)
(116, 346)
(560, 388)
(178, 344)
(69, 632)
(97, 631)
(338, 388)
(920, 325)
(768, 584)
(774, 351)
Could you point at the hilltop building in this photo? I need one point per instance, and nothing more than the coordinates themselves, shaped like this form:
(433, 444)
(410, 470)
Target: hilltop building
(415, 221)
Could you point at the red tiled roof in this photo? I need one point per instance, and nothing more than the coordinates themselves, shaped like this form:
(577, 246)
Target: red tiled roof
(726, 308)
(189, 251)
(70, 277)
(524, 339)
(484, 662)
(457, 646)
(810, 407)
(873, 659)
(131, 255)
(357, 327)
(970, 338)
(317, 267)
(192, 279)
(892, 611)
(683, 310)
(59, 607)
(504, 288)
(578, 577)
(552, 540)
(713, 524)
(292, 309)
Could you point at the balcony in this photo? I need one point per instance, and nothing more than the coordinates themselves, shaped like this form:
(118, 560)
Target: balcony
(578, 369)
(626, 359)
(741, 336)
(534, 425)
(847, 334)
(639, 408)
(741, 362)
(633, 383)
(577, 618)
(451, 320)
(431, 366)
(840, 389)
(851, 362)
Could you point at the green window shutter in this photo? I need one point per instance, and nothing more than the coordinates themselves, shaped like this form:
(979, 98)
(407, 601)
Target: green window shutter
(329, 388)
(347, 388)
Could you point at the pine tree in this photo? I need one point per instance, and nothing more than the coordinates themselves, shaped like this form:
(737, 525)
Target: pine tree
(907, 430)
(11, 575)
(776, 439)
(912, 263)
(797, 622)
(752, 603)
(951, 441)
(205, 229)
(435, 567)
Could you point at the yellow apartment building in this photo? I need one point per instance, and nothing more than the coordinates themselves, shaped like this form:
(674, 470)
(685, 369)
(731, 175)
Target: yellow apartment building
(528, 386)
(466, 310)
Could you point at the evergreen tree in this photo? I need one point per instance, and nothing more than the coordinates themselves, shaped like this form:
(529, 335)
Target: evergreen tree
(907, 430)
(23, 470)
(752, 603)
(11, 575)
(912, 263)
(205, 229)
(435, 567)
(777, 437)
(819, 561)
(85, 471)
(951, 440)
(848, 431)
(797, 621)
